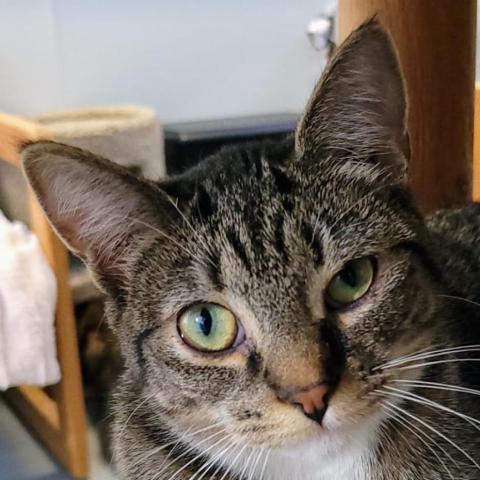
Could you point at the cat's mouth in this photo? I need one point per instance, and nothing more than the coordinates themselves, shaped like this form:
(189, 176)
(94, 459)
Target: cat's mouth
(316, 415)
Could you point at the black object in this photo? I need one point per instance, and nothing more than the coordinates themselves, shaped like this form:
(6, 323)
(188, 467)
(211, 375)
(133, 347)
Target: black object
(187, 143)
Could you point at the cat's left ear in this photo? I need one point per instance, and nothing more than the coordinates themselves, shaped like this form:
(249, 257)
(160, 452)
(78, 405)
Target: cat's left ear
(358, 109)
(102, 212)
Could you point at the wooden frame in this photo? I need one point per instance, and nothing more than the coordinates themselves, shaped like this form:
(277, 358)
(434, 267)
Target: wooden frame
(476, 146)
(57, 418)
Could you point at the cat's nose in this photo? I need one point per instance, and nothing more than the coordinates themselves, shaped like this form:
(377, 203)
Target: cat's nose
(312, 401)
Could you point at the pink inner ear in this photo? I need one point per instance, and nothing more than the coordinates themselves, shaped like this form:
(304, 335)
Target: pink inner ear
(98, 209)
(65, 226)
(102, 228)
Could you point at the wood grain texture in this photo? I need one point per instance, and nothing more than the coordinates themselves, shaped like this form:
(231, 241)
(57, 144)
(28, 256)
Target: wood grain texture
(59, 422)
(69, 392)
(476, 146)
(436, 44)
(14, 131)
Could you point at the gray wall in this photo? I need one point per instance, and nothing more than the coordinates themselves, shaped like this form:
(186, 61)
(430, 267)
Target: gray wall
(189, 59)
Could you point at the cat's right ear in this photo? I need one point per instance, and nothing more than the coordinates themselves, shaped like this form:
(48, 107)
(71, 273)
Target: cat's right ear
(358, 109)
(99, 209)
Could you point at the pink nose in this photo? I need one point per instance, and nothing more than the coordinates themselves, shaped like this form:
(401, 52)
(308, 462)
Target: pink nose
(312, 401)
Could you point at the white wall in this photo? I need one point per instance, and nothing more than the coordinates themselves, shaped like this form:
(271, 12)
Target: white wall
(189, 59)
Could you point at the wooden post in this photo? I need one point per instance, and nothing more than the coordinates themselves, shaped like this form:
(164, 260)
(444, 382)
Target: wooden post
(436, 43)
(476, 146)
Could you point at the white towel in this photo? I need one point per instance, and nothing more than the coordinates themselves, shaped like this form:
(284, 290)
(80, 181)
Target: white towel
(28, 294)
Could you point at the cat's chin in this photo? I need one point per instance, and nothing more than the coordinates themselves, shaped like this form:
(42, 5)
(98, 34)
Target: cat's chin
(325, 453)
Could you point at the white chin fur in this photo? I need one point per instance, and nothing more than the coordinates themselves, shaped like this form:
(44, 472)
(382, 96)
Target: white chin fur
(343, 454)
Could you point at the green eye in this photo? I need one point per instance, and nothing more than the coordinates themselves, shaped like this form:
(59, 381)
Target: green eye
(351, 283)
(208, 327)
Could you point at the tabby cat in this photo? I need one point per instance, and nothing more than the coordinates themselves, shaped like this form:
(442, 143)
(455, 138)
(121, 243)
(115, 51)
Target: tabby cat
(284, 311)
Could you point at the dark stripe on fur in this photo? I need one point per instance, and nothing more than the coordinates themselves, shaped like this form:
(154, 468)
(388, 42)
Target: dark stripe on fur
(214, 267)
(205, 205)
(139, 341)
(238, 247)
(245, 160)
(284, 184)
(422, 255)
(254, 221)
(288, 203)
(403, 200)
(335, 360)
(254, 363)
(312, 240)
(280, 236)
(258, 166)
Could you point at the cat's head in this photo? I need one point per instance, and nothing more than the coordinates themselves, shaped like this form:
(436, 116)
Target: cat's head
(260, 291)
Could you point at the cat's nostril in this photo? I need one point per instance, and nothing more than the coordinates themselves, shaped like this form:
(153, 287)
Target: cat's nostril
(312, 401)
(316, 415)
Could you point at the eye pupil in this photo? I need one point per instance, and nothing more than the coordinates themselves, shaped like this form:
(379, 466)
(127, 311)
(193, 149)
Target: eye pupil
(349, 276)
(204, 321)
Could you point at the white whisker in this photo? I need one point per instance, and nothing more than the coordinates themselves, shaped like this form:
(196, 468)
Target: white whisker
(170, 453)
(428, 354)
(434, 430)
(438, 386)
(264, 466)
(232, 463)
(187, 452)
(212, 461)
(246, 464)
(410, 427)
(439, 362)
(431, 403)
(454, 297)
(219, 467)
(254, 465)
(152, 453)
(134, 411)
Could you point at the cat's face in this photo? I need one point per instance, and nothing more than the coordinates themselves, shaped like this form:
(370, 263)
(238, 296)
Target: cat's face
(265, 247)
(257, 294)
